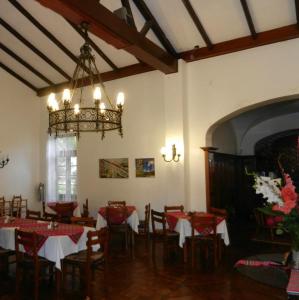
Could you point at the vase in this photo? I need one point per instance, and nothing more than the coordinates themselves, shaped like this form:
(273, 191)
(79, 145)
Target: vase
(295, 255)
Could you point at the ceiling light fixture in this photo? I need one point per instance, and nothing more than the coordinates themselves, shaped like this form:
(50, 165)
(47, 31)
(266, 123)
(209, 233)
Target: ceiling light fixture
(102, 117)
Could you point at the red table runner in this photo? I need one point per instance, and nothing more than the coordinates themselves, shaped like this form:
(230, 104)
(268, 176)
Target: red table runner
(173, 217)
(53, 206)
(116, 219)
(293, 286)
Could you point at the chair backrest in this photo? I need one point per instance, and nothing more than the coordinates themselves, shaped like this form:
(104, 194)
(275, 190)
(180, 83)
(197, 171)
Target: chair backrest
(147, 214)
(206, 225)
(218, 212)
(116, 203)
(260, 218)
(64, 209)
(116, 215)
(98, 237)
(2, 206)
(32, 214)
(29, 242)
(158, 218)
(16, 204)
(85, 209)
(174, 208)
(84, 221)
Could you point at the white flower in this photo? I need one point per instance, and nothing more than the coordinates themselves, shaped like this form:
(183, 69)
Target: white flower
(269, 188)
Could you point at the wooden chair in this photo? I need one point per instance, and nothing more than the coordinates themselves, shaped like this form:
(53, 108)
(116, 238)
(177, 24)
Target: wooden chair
(208, 239)
(263, 226)
(24, 207)
(16, 204)
(116, 203)
(170, 239)
(173, 208)
(84, 221)
(2, 206)
(88, 260)
(116, 217)
(218, 212)
(85, 213)
(143, 228)
(33, 214)
(29, 262)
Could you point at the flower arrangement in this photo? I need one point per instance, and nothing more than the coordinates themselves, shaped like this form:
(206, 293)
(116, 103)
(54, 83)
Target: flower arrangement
(281, 200)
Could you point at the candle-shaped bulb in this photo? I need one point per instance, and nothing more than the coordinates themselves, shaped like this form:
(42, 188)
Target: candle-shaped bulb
(66, 96)
(120, 100)
(97, 95)
(55, 105)
(76, 109)
(102, 107)
(51, 100)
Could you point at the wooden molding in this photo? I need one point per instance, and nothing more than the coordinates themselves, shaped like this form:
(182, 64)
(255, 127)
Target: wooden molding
(107, 26)
(107, 76)
(263, 38)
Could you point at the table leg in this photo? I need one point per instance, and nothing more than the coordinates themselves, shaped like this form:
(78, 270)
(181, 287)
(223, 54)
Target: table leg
(185, 249)
(58, 275)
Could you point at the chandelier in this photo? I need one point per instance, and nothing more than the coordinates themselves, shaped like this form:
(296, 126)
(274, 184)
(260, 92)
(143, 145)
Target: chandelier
(86, 86)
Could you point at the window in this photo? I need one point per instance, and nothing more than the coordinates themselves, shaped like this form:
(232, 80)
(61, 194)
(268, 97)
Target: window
(62, 169)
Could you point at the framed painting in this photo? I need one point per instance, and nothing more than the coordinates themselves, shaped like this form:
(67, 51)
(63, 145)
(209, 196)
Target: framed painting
(145, 167)
(114, 168)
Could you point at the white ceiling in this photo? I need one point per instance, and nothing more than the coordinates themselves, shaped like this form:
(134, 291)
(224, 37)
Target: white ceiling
(222, 19)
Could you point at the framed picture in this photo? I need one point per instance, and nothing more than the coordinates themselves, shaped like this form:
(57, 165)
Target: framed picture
(145, 167)
(114, 168)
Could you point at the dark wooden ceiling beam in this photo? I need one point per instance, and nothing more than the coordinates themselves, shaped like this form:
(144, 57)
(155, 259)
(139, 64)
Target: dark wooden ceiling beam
(197, 23)
(146, 27)
(25, 64)
(17, 76)
(33, 49)
(297, 10)
(127, 6)
(248, 18)
(107, 76)
(104, 24)
(94, 46)
(264, 38)
(45, 31)
(148, 16)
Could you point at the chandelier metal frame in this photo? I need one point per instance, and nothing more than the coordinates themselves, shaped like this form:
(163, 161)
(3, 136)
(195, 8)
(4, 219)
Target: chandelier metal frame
(68, 120)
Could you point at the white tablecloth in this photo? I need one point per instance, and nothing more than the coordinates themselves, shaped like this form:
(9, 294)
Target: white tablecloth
(54, 249)
(133, 221)
(183, 227)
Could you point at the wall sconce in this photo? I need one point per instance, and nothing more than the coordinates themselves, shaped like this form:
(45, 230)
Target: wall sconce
(171, 154)
(3, 161)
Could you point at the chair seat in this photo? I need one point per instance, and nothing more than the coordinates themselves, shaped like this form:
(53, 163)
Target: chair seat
(81, 256)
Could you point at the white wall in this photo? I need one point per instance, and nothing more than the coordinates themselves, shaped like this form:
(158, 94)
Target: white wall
(220, 86)
(181, 107)
(19, 137)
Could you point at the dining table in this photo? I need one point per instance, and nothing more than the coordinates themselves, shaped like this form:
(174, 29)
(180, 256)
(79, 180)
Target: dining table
(54, 242)
(53, 208)
(132, 219)
(181, 222)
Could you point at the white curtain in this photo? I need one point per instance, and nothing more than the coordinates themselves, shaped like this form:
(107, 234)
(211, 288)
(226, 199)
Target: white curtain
(62, 169)
(51, 188)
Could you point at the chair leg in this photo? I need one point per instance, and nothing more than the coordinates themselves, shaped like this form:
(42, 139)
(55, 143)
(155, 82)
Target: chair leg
(88, 282)
(18, 279)
(36, 282)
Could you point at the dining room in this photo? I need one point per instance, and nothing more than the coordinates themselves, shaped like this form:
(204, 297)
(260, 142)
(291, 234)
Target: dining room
(111, 186)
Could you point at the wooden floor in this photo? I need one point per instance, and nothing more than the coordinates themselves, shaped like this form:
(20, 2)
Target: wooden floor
(141, 278)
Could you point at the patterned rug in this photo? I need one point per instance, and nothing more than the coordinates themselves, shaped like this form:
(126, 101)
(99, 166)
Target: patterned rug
(269, 269)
